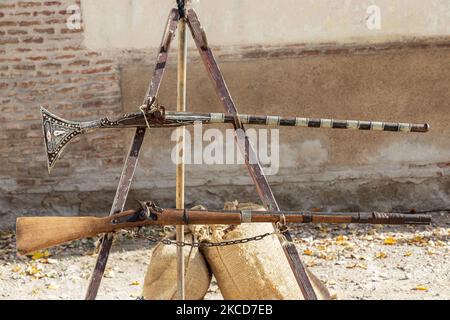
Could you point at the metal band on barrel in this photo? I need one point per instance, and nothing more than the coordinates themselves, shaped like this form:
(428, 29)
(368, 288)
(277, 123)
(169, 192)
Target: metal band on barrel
(217, 117)
(404, 127)
(377, 126)
(273, 120)
(326, 123)
(301, 122)
(352, 124)
(244, 118)
(246, 216)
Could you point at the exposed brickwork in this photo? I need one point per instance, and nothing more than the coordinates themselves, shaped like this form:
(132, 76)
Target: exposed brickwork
(43, 62)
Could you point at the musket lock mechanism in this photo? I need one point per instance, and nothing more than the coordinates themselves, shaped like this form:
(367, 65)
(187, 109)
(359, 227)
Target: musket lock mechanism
(149, 210)
(153, 112)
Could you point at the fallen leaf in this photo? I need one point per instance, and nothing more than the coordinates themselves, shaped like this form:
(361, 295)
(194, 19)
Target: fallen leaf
(440, 243)
(357, 265)
(32, 270)
(420, 288)
(321, 247)
(109, 274)
(40, 254)
(324, 256)
(308, 252)
(37, 255)
(362, 266)
(135, 283)
(381, 255)
(407, 254)
(16, 269)
(35, 292)
(390, 241)
(417, 240)
(51, 274)
(341, 240)
(311, 264)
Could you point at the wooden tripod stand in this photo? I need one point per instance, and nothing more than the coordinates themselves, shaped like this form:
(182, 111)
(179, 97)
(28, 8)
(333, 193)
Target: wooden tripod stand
(189, 17)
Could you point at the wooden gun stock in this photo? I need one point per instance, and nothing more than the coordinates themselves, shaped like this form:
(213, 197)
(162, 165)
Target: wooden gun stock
(36, 233)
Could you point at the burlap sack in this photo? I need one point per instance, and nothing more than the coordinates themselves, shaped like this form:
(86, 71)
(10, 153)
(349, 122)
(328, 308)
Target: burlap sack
(254, 270)
(161, 279)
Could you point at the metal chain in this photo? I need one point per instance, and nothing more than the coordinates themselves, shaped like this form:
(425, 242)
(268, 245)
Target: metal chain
(207, 244)
(280, 229)
(215, 244)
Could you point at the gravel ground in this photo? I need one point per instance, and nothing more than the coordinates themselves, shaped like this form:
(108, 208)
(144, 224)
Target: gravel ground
(355, 262)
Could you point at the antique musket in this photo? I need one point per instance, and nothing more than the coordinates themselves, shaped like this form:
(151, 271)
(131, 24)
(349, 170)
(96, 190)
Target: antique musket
(36, 233)
(59, 132)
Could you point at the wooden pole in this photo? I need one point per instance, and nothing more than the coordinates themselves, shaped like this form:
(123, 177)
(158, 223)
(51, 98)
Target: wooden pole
(180, 175)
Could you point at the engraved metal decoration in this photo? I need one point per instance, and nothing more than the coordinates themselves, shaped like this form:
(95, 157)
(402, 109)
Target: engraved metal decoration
(57, 134)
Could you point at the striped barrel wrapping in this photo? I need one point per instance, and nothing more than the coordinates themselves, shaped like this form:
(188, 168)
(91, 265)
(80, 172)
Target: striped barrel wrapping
(321, 123)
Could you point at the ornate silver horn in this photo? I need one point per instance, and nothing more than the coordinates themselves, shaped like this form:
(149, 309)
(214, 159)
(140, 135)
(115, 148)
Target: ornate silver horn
(57, 134)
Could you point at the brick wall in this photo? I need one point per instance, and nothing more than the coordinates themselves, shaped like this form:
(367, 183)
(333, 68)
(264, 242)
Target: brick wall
(43, 62)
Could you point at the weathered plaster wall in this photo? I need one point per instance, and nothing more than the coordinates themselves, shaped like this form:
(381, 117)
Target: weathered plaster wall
(322, 168)
(137, 24)
(304, 73)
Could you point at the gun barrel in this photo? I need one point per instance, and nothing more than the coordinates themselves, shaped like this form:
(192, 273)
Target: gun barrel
(182, 217)
(300, 122)
(36, 233)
